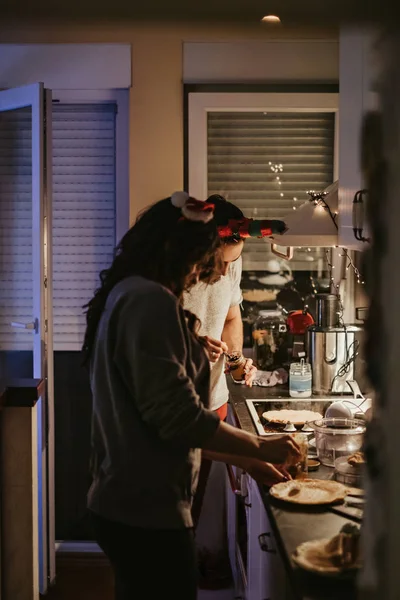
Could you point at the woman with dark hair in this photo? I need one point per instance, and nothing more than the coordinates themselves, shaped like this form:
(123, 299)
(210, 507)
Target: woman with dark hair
(150, 383)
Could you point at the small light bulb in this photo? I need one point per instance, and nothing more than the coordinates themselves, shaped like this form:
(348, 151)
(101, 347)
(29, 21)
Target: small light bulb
(295, 199)
(271, 19)
(281, 195)
(294, 208)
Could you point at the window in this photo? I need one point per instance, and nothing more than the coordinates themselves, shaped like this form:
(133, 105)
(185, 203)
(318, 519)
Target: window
(90, 201)
(83, 212)
(264, 162)
(263, 152)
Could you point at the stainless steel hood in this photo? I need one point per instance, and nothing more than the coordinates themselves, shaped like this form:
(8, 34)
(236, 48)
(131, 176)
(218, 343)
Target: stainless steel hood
(311, 224)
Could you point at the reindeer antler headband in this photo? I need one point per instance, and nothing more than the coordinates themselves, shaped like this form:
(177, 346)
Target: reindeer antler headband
(192, 209)
(239, 229)
(198, 210)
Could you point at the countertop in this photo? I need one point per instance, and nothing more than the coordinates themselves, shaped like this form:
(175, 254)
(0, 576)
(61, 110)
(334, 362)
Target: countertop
(293, 526)
(22, 393)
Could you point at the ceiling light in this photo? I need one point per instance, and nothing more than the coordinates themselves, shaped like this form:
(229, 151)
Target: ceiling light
(270, 19)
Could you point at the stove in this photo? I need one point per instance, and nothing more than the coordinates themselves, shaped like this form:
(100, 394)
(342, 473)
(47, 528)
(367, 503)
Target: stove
(258, 407)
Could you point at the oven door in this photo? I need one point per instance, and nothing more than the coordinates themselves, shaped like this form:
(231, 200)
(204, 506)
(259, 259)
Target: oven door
(237, 521)
(237, 528)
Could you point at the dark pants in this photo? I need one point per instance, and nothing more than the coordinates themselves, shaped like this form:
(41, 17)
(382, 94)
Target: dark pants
(148, 564)
(204, 475)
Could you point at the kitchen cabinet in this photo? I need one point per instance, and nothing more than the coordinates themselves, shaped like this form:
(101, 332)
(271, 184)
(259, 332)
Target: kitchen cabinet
(356, 97)
(266, 578)
(257, 566)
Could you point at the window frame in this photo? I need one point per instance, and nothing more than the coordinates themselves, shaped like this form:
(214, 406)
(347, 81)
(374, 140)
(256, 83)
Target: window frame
(198, 102)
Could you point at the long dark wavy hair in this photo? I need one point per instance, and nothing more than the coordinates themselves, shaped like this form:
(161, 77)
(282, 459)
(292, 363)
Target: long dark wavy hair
(163, 247)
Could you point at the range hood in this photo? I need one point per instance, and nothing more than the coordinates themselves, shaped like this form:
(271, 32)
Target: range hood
(311, 224)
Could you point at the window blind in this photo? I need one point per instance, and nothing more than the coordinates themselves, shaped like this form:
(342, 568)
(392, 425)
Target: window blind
(264, 162)
(83, 204)
(83, 212)
(16, 281)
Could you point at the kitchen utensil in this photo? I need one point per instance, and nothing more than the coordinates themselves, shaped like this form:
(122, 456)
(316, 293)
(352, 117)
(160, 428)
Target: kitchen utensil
(313, 464)
(328, 310)
(337, 437)
(346, 473)
(300, 379)
(289, 427)
(350, 409)
(270, 340)
(309, 492)
(298, 321)
(350, 512)
(336, 357)
(276, 273)
(299, 470)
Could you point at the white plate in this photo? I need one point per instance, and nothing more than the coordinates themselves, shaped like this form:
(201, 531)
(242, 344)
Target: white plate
(309, 556)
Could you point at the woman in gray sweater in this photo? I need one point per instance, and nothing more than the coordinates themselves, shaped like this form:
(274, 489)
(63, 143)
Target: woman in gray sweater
(150, 383)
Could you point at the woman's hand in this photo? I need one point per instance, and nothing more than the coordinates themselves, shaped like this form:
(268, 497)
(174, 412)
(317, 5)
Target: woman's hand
(280, 450)
(266, 473)
(214, 348)
(250, 372)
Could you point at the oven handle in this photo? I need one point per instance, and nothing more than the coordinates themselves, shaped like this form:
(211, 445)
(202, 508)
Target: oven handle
(263, 541)
(232, 480)
(238, 491)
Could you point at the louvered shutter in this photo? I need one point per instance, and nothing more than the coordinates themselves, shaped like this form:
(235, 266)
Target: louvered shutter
(16, 281)
(264, 162)
(83, 212)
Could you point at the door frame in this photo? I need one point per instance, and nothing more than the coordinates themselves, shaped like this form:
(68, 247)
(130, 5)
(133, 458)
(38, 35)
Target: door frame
(38, 99)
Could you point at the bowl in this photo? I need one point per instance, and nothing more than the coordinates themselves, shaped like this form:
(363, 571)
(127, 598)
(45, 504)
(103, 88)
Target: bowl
(336, 437)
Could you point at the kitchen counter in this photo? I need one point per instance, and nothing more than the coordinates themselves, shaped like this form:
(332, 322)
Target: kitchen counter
(292, 525)
(22, 393)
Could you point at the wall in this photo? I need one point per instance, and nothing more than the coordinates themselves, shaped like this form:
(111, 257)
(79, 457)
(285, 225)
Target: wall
(156, 100)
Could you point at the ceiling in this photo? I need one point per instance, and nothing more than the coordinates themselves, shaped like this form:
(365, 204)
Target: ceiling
(291, 12)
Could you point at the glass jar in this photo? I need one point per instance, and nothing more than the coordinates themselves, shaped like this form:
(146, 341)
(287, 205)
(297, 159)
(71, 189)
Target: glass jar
(299, 469)
(236, 362)
(270, 340)
(300, 380)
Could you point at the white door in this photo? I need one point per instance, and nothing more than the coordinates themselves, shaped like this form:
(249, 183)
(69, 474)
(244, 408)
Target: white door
(26, 274)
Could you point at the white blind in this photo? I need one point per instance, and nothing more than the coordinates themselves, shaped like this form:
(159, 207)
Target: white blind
(16, 290)
(83, 211)
(264, 162)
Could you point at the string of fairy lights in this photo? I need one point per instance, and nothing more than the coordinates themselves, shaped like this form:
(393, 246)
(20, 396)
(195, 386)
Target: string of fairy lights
(351, 265)
(318, 198)
(278, 168)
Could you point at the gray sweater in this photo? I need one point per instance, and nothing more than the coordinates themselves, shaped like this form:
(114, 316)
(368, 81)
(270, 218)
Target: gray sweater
(150, 385)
